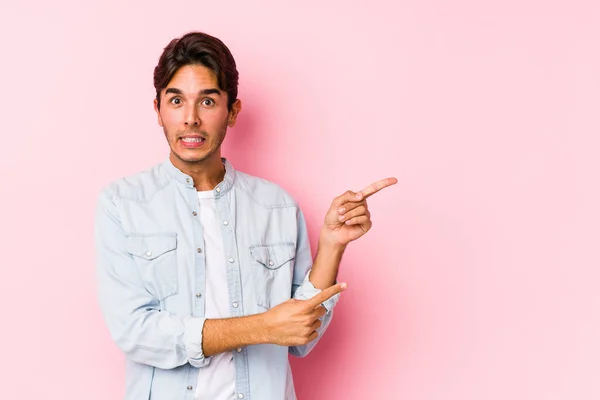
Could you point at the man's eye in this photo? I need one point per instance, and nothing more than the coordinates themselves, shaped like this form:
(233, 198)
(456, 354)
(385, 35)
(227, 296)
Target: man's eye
(208, 102)
(176, 101)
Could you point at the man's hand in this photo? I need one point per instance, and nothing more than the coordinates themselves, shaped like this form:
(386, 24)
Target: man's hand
(348, 217)
(295, 322)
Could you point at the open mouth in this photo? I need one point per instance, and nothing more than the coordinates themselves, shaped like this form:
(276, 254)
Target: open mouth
(192, 141)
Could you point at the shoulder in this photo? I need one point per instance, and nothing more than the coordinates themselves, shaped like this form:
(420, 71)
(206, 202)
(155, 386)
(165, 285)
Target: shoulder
(264, 192)
(141, 186)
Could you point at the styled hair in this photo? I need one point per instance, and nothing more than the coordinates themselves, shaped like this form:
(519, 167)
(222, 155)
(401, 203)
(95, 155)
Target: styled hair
(197, 48)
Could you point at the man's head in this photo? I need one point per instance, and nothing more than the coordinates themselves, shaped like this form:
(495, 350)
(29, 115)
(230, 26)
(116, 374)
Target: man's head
(196, 96)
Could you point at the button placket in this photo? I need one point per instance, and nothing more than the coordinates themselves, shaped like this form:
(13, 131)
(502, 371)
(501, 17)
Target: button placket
(199, 248)
(234, 285)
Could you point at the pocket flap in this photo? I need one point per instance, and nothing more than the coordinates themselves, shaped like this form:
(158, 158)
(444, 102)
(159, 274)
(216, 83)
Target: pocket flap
(151, 246)
(273, 256)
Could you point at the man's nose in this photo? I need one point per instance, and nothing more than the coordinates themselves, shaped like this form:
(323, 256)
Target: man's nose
(192, 117)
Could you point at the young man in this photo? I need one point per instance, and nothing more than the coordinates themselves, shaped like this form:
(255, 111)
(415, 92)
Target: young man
(205, 276)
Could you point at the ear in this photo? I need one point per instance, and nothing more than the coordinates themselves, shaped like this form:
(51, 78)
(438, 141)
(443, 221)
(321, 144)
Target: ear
(157, 112)
(236, 107)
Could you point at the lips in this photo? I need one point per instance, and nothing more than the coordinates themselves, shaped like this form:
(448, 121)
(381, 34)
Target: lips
(192, 141)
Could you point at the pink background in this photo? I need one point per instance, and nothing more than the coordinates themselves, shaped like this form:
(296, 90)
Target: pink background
(480, 277)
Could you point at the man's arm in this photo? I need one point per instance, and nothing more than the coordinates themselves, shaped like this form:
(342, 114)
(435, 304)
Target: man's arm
(325, 264)
(291, 323)
(347, 219)
(144, 332)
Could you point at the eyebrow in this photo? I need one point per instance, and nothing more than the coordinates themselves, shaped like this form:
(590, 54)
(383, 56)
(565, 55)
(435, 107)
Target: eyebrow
(202, 92)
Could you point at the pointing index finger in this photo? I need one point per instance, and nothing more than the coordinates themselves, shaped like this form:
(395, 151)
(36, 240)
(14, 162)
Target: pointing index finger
(377, 186)
(325, 295)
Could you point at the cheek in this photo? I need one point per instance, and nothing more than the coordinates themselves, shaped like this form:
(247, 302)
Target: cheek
(214, 119)
(169, 118)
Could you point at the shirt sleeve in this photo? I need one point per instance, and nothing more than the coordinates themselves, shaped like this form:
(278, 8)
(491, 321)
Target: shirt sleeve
(303, 289)
(144, 332)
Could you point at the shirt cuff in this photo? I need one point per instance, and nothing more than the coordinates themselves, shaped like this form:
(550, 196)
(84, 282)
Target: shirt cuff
(193, 341)
(307, 290)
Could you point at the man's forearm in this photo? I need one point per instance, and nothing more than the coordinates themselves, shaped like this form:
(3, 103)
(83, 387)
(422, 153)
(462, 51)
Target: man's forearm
(326, 264)
(222, 335)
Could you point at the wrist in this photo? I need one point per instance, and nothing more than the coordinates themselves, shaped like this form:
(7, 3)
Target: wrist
(263, 328)
(327, 243)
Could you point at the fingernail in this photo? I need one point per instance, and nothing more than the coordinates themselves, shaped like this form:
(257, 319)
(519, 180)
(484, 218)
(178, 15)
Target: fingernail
(343, 285)
(341, 217)
(359, 195)
(341, 210)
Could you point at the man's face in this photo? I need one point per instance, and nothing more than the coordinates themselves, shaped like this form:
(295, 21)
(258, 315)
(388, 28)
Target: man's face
(194, 115)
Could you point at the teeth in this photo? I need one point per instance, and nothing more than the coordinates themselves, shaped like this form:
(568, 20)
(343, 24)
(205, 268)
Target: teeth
(192, 140)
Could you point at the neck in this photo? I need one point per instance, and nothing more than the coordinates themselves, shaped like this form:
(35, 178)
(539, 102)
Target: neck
(206, 174)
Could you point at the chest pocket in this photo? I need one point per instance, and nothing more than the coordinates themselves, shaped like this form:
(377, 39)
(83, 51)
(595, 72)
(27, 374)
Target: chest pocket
(273, 271)
(156, 258)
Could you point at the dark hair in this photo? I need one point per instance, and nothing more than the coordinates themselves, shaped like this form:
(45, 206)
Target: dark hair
(197, 48)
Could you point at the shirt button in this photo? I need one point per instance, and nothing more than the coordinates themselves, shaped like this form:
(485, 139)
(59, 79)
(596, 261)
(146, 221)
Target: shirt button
(194, 213)
(198, 295)
(225, 223)
(148, 254)
(199, 250)
(189, 388)
(241, 396)
(239, 350)
(271, 263)
(187, 180)
(218, 190)
(235, 305)
(231, 260)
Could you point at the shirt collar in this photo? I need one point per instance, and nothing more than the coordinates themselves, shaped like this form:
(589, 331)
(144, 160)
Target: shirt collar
(222, 188)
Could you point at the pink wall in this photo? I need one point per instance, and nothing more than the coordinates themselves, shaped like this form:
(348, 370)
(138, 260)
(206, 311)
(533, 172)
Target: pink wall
(480, 277)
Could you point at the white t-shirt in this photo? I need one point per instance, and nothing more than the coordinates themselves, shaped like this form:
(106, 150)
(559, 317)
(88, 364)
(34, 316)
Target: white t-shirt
(217, 380)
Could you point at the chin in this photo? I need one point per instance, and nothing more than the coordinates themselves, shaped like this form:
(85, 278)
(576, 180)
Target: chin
(191, 158)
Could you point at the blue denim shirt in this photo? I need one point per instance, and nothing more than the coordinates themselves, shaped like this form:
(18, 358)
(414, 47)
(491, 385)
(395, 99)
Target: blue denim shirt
(151, 277)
